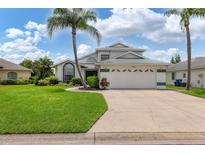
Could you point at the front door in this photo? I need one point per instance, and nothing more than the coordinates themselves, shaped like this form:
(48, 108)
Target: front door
(90, 73)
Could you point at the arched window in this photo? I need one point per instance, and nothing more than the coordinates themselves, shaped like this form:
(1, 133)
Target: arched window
(12, 75)
(68, 72)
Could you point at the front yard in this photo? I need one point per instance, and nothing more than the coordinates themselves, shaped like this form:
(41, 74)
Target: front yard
(199, 92)
(49, 109)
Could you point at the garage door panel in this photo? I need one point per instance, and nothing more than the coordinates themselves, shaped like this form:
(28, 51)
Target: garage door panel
(132, 79)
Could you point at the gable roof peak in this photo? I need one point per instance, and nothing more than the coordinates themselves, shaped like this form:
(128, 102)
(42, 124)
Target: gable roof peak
(119, 45)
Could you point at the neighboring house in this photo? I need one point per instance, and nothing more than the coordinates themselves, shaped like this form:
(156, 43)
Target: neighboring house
(123, 66)
(179, 71)
(9, 70)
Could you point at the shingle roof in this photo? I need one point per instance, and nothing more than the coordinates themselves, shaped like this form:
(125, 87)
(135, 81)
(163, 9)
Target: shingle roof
(133, 61)
(7, 65)
(198, 62)
(121, 47)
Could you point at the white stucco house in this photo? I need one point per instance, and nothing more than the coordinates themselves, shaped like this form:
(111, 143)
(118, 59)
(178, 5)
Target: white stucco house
(123, 66)
(179, 71)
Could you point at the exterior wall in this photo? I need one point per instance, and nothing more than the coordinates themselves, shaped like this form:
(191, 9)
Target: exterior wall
(20, 74)
(113, 54)
(196, 81)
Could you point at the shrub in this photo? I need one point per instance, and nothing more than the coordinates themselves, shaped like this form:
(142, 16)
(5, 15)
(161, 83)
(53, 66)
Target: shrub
(76, 81)
(8, 82)
(93, 81)
(35, 80)
(104, 83)
(52, 80)
(43, 83)
(24, 81)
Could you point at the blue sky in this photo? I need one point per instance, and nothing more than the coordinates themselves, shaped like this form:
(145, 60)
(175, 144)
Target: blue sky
(24, 34)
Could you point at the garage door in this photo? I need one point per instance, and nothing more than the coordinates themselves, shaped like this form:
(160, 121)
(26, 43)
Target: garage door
(132, 78)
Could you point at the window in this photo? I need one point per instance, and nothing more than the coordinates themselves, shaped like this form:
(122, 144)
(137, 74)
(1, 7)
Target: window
(173, 76)
(12, 75)
(184, 75)
(68, 72)
(105, 57)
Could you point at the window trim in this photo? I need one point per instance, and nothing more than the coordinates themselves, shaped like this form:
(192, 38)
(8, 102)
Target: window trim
(64, 71)
(16, 75)
(173, 75)
(104, 55)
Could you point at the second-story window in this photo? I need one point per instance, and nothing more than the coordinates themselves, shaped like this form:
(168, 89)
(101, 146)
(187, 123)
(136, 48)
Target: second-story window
(105, 57)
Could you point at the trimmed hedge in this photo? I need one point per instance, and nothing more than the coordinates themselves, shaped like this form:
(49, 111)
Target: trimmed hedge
(8, 82)
(76, 81)
(93, 81)
(20, 81)
(52, 80)
(43, 83)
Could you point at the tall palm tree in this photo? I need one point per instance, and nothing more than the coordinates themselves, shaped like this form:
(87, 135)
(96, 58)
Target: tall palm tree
(74, 19)
(185, 15)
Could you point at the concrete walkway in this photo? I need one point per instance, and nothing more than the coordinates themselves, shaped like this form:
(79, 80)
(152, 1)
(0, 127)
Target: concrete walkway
(151, 111)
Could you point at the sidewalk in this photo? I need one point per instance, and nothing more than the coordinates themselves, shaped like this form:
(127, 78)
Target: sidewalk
(104, 138)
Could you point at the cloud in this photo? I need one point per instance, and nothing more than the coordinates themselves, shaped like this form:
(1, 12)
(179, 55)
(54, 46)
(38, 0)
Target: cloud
(14, 33)
(84, 49)
(163, 55)
(148, 24)
(24, 44)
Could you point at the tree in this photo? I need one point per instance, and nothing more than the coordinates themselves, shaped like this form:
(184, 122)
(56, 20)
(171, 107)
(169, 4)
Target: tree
(172, 60)
(40, 67)
(177, 58)
(28, 64)
(185, 15)
(74, 19)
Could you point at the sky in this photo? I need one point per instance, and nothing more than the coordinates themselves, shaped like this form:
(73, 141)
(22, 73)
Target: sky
(24, 34)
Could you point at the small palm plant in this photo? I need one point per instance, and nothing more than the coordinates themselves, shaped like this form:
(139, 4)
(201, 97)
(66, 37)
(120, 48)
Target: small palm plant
(74, 19)
(185, 15)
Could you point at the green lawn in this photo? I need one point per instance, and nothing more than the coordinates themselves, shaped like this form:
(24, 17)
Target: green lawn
(49, 109)
(199, 92)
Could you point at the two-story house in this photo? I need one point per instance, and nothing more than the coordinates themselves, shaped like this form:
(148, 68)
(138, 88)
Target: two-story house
(123, 66)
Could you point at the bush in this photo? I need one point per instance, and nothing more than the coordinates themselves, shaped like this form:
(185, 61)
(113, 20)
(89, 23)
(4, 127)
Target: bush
(35, 80)
(104, 83)
(93, 81)
(8, 82)
(52, 80)
(76, 81)
(24, 81)
(43, 83)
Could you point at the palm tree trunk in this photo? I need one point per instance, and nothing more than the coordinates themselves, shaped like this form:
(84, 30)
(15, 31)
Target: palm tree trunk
(188, 39)
(76, 57)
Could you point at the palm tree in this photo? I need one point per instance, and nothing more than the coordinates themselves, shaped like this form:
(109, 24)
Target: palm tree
(75, 19)
(185, 15)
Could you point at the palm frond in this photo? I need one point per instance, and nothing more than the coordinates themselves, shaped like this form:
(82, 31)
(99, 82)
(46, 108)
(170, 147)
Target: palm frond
(198, 12)
(92, 31)
(57, 22)
(172, 12)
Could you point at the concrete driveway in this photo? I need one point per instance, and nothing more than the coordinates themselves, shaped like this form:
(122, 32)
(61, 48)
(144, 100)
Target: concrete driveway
(151, 111)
